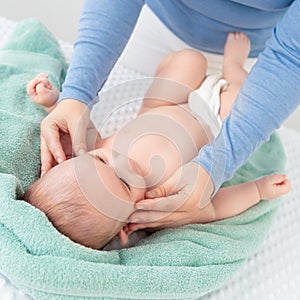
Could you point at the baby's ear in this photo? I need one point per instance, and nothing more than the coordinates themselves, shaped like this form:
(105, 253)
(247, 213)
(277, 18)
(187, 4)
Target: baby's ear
(124, 234)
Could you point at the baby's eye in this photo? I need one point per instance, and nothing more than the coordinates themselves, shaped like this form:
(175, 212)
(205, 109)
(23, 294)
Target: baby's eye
(102, 160)
(127, 185)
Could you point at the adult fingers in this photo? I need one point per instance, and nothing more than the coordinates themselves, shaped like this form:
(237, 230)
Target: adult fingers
(47, 160)
(77, 123)
(93, 139)
(190, 182)
(189, 174)
(147, 216)
(164, 204)
(157, 221)
(167, 188)
(50, 134)
(78, 136)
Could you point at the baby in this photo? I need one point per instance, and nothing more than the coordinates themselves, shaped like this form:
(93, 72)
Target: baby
(89, 198)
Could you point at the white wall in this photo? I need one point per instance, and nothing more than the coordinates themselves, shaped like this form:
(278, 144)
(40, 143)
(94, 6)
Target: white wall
(62, 17)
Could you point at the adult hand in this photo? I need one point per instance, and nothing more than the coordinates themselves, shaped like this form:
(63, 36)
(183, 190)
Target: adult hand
(176, 202)
(93, 140)
(68, 121)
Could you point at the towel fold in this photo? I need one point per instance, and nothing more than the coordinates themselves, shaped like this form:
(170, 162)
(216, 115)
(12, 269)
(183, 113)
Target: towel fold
(179, 263)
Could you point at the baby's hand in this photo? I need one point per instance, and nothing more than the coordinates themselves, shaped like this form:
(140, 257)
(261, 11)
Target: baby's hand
(273, 186)
(41, 91)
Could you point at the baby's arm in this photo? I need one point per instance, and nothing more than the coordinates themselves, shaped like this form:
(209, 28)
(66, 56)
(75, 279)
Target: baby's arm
(175, 77)
(233, 200)
(42, 92)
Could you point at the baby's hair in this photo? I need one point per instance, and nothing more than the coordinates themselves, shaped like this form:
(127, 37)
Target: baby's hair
(68, 210)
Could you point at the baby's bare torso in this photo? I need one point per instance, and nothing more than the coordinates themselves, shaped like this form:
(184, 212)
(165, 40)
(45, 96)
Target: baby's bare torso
(160, 140)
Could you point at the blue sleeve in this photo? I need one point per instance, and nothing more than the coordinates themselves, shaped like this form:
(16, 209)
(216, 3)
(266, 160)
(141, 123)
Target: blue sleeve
(269, 95)
(104, 29)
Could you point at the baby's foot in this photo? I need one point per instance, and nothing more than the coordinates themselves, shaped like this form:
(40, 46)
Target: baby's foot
(237, 48)
(41, 91)
(273, 186)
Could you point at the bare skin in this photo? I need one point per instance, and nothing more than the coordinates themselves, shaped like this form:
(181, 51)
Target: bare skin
(236, 51)
(41, 91)
(177, 75)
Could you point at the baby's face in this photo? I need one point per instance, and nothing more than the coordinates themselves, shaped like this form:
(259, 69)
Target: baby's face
(121, 175)
(111, 182)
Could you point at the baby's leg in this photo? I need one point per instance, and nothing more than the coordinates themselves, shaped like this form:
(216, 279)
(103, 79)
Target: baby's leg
(236, 51)
(176, 76)
(41, 91)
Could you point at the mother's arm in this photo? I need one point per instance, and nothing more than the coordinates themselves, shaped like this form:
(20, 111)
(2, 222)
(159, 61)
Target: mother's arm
(269, 95)
(105, 27)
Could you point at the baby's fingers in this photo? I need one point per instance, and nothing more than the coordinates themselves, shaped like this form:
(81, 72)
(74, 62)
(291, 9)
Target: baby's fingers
(47, 84)
(30, 88)
(284, 186)
(277, 178)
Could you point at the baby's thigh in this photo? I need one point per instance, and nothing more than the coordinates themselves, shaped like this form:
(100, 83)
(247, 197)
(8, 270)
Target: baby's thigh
(186, 66)
(227, 98)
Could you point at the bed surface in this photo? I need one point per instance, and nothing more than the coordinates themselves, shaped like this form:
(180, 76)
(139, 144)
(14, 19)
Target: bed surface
(273, 272)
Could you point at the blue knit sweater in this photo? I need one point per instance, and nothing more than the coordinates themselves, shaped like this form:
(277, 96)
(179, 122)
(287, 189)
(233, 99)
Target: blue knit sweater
(269, 95)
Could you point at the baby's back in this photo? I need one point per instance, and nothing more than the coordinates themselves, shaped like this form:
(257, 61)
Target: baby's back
(162, 139)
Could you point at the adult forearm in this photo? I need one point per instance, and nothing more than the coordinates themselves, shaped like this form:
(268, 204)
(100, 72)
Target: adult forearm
(269, 95)
(105, 27)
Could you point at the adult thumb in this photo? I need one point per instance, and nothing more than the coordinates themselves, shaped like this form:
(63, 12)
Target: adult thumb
(158, 192)
(78, 137)
(166, 189)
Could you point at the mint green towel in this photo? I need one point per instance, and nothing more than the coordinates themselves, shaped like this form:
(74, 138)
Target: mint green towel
(179, 263)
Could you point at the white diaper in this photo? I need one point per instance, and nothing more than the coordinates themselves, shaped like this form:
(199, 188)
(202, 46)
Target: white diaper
(205, 102)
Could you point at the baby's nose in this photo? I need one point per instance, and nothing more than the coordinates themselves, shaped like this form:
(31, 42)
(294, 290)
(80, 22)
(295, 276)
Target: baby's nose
(128, 169)
(118, 160)
(122, 161)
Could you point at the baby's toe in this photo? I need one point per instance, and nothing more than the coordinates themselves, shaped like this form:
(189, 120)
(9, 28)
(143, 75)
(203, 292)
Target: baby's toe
(231, 36)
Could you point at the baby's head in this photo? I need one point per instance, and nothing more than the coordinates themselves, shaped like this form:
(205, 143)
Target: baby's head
(89, 198)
